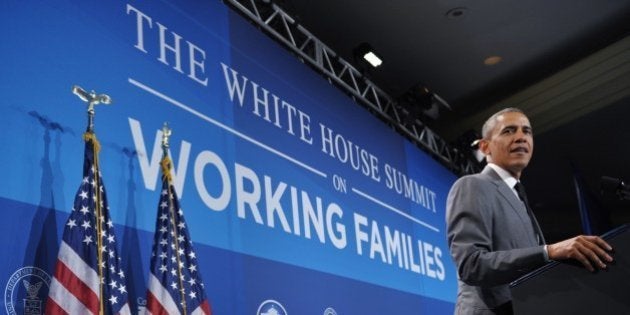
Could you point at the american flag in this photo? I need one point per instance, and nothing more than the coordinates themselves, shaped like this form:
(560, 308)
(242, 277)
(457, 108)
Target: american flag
(88, 278)
(175, 285)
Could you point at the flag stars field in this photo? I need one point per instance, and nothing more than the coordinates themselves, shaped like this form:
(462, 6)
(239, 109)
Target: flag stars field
(173, 275)
(87, 260)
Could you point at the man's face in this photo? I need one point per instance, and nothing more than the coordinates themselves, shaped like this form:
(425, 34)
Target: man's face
(510, 144)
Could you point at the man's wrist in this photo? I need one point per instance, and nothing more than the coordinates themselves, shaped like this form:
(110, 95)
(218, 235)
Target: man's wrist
(546, 253)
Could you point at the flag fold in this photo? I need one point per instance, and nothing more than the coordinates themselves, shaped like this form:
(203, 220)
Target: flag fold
(88, 278)
(174, 284)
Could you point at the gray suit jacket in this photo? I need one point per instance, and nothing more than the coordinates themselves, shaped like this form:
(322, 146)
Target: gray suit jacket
(491, 239)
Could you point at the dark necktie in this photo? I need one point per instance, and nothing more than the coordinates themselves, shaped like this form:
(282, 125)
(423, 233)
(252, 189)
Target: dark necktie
(520, 189)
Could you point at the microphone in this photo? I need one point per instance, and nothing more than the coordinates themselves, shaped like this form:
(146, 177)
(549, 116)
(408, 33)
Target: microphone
(615, 185)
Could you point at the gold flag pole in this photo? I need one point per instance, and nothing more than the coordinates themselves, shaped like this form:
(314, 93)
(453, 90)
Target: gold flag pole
(93, 99)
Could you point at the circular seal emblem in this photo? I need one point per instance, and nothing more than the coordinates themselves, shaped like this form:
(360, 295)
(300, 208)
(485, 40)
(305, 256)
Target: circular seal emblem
(330, 311)
(25, 292)
(271, 307)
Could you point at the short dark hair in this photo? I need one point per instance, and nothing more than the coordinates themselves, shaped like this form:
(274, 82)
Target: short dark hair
(489, 125)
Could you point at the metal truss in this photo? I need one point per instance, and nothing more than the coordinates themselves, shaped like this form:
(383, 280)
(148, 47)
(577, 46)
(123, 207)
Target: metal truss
(285, 29)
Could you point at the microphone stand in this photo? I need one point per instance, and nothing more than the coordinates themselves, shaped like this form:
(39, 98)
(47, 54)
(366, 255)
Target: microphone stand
(617, 185)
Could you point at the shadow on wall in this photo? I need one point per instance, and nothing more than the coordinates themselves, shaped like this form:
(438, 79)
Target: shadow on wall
(135, 271)
(42, 246)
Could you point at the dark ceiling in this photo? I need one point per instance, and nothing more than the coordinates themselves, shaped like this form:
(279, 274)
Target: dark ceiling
(566, 63)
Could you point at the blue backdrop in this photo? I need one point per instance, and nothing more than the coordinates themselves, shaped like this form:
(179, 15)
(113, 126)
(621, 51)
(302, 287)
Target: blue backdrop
(295, 197)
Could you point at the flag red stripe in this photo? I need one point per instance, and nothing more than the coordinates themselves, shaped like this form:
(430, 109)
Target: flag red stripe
(74, 285)
(52, 308)
(154, 306)
(82, 270)
(161, 294)
(205, 306)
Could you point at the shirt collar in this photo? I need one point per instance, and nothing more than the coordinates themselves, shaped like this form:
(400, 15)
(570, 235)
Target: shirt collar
(505, 175)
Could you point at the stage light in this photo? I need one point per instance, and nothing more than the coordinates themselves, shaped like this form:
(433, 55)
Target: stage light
(373, 59)
(468, 143)
(492, 60)
(367, 53)
(474, 146)
(421, 96)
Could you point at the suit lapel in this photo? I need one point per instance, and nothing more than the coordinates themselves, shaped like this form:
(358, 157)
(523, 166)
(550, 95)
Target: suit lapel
(505, 191)
(510, 197)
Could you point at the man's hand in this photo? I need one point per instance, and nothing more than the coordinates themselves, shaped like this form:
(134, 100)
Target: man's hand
(589, 250)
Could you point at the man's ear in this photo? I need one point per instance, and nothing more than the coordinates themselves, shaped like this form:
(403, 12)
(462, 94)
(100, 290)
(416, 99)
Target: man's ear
(484, 147)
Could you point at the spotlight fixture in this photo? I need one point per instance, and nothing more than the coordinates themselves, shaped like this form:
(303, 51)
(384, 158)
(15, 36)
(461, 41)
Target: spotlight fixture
(474, 146)
(419, 103)
(421, 96)
(366, 53)
(468, 143)
(422, 103)
(492, 60)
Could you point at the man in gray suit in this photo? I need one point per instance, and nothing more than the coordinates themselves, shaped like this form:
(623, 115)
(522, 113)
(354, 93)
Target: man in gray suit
(492, 234)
